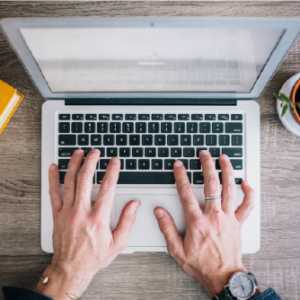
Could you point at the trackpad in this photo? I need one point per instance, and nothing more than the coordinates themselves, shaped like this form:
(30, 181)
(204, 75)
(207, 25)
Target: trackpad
(145, 231)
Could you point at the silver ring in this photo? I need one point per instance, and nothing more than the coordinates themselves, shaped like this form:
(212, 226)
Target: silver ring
(213, 198)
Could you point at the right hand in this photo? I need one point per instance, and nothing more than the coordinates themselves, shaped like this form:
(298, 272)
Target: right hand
(211, 250)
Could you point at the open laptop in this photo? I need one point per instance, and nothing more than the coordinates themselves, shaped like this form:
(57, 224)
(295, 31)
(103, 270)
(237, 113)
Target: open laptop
(150, 91)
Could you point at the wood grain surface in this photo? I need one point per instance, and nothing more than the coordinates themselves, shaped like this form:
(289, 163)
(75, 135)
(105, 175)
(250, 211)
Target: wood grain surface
(146, 275)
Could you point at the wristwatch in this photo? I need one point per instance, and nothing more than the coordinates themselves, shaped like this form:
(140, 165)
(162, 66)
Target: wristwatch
(241, 286)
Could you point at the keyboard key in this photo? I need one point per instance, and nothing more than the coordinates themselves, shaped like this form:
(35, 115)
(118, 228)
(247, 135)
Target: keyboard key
(176, 152)
(62, 177)
(172, 140)
(66, 152)
(95, 139)
(217, 165)
(108, 140)
(236, 117)
(64, 116)
(112, 152)
(204, 127)
(195, 164)
(102, 151)
(77, 127)
(77, 117)
(210, 117)
(127, 127)
(67, 139)
(217, 127)
(214, 152)
(160, 140)
(117, 117)
(163, 152)
(131, 165)
(63, 164)
(179, 127)
(122, 164)
(170, 117)
(169, 164)
(224, 140)
(137, 152)
(238, 180)
(198, 178)
(115, 127)
(140, 127)
(157, 116)
(236, 140)
(121, 139)
(86, 150)
(211, 140)
(130, 117)
(188, 152)
(89, 127)
(185, 140)
(134, 140)
(104, 117)
(197, 117)
(185, 163)
(102, 127)
(237, 164)
(144, 164)
(91, 117)
(233, 127)
(63, 127)
(157, 164)
(103, 163)
(124, 152)
(146, 178)
(144, 117)
(150, 152)
(233, 152)
(100, 176)
(147, 140)
(183, 117)
(166, 127)
(220, 177)
(198, 140)
(192, 127)
(200, 149)
(223, 117)
(153, 127)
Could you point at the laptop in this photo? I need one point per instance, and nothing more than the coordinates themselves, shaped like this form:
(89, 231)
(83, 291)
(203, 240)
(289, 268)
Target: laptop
(151, 91)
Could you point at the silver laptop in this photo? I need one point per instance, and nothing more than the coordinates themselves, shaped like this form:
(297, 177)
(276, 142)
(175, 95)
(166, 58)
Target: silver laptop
(150, 91)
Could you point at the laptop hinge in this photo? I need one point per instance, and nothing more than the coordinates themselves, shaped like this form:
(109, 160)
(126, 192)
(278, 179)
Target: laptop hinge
(151, 101)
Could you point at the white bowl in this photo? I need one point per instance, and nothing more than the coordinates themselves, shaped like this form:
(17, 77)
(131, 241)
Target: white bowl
(288, 119)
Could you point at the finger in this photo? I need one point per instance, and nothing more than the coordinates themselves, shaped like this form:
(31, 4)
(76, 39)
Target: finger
(167, 227)
(71, 178)
(211, 181)
(244, 210)
(228, 184)
(188, 199)
(85, 179)
(54, 190)
(126, 221)
(107, 190)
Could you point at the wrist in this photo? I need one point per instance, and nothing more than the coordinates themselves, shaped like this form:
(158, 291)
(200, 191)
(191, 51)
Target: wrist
(61, 282)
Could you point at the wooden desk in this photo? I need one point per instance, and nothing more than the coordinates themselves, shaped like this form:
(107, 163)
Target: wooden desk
(146, 275)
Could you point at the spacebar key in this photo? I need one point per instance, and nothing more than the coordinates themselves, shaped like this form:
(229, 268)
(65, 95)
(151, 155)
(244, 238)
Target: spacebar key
(146, 178)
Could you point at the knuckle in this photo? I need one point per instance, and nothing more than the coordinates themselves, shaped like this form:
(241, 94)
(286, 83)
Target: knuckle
(196, 223)
(230, 189)
(186, 190)
(108, 183)
(69, 180)
(83, 176)
(213, 181)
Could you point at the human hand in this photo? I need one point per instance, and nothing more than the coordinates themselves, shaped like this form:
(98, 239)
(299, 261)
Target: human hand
(211, 250)
(82, 240)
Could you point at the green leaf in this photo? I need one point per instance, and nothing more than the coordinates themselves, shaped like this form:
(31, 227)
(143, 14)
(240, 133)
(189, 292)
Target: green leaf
(278, 97)
(299, 105)
(294, 109)
(284, 110)
(286, 98)
(281, 104)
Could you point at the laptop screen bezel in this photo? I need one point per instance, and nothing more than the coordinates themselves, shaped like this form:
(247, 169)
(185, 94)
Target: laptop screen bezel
(290, 27)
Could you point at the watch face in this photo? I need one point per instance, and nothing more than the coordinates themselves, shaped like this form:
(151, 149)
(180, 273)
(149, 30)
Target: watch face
(242, 286)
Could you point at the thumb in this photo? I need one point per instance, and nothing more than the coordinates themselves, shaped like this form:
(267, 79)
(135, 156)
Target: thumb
(167, 227)
(126, 221)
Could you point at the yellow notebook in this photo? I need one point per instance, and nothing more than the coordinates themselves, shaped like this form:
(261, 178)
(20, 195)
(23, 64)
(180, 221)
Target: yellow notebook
(10, 99)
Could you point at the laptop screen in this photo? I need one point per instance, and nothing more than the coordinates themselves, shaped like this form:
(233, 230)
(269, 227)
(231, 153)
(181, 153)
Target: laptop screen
(149, 59)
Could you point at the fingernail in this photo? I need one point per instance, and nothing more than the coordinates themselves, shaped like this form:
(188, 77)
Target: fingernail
(115, 160)
(178, 163)
(136, 206)
(224, 157)
(78, 151)
(52, 167)
(95, 150)
(204, 152)
(158, 214)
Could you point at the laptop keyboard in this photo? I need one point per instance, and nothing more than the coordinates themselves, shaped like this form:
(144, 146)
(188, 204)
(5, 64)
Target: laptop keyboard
(149, 144)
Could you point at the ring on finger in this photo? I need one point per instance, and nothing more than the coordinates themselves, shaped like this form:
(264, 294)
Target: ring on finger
(213, 198)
